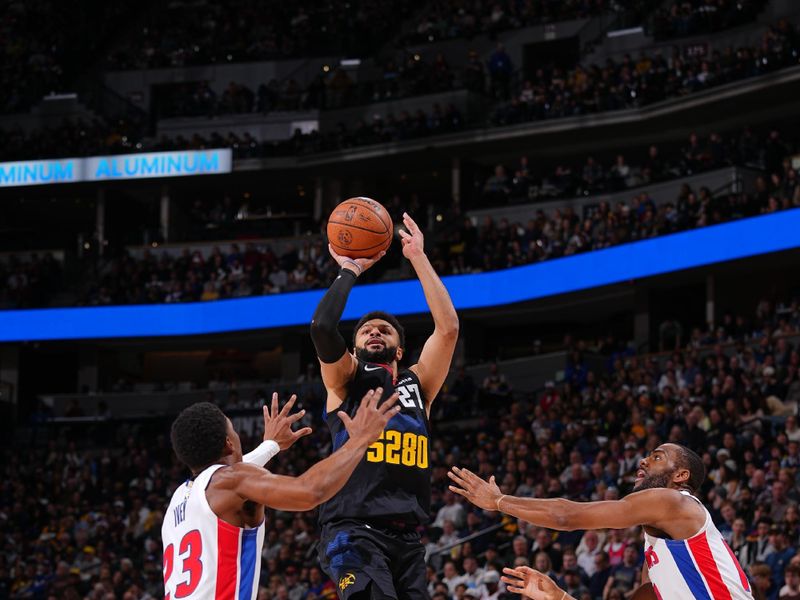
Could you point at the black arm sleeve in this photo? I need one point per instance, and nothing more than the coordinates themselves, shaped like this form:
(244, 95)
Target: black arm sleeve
(325, 334)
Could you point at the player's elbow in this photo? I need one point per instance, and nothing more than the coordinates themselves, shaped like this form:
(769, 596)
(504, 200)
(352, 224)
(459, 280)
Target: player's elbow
(564, 516)
(321, 330)
(327, 341)
(311, 498)
(449, 329)
(316, 497)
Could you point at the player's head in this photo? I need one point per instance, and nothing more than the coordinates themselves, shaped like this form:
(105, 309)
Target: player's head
(671, 466)
(379, 338)
(202, 435)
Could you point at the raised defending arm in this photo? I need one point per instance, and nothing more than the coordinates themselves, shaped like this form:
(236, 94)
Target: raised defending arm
(658, 507)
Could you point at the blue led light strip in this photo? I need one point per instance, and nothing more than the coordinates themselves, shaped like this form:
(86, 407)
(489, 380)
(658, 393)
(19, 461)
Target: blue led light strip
(720, 243)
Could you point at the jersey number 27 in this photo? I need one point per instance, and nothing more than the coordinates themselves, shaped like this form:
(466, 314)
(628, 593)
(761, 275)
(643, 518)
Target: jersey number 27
(409, 396)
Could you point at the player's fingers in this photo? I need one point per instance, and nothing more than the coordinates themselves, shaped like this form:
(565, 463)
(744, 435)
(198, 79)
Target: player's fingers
(274, 405)
(302, 432)
(515, 590)
(288, 406)
(511, 580)
(345, 418)
(472, 477)
(513, 571)
(374, 397)
(455, 474)
(366, 401)
(296, 416)
(410, 223)
(491, 480)
(463, 474)
(457, 479)
(459, 491)
(387, 404)
(404, 234)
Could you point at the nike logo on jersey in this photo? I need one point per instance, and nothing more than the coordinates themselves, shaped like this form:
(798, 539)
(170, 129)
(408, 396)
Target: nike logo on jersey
(370, 368)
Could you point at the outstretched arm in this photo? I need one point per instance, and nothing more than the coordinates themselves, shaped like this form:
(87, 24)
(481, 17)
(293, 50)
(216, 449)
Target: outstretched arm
(324, 479)
(661, 508)
(437, 354)
(336, 364)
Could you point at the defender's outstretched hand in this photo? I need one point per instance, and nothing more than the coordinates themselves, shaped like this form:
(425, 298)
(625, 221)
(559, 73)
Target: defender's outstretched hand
(370, 419)
(413, 240)
(532, 584)
(278, 423)
(483, 494)
(357, 265)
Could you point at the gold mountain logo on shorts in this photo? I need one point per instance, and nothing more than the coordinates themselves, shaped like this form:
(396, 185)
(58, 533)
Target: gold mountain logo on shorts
(346, 581)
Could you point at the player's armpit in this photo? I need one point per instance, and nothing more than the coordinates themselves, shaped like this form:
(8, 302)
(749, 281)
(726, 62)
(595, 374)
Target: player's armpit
(644, 592)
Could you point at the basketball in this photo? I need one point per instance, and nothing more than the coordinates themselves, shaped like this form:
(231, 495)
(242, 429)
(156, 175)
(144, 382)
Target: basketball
(359, 228)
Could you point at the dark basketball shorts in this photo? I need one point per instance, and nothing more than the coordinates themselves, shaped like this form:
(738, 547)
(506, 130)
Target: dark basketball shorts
(355, 554)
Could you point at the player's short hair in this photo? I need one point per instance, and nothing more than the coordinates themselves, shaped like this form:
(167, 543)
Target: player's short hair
(198, 435)
(688, 459)
(384, 316)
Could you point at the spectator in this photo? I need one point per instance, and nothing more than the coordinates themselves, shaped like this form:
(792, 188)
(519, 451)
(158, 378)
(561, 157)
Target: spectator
(780, 557)
(500, 72)
(495, 386)
(791, 588)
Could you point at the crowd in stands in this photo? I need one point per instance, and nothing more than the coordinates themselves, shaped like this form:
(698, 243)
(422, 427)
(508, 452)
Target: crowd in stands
(695, 17)
(458, 244)
(71, 138)
(526, 180)
(40, 56)
(247, 30)
(410, 74)
(548, 93)
(466, 247)
(29, 281)
(449, 19)
(80, 512)
(635, 82)
(391, 127)
(31, 67)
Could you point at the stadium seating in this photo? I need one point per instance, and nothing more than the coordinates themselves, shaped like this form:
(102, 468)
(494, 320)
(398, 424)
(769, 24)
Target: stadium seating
(81, 512)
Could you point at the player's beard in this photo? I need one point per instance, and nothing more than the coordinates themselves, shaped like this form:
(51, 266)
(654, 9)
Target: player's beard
(660, 480)
(384, 357)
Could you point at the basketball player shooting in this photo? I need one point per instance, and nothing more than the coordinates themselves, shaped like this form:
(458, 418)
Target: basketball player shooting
(213, 530)
(685, 555)
(369, 545)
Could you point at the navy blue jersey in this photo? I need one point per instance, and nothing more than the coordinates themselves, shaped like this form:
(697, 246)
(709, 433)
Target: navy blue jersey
(393, 480)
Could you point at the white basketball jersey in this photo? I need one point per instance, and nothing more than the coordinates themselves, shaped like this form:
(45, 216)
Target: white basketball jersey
(702, 567)
(206, 558)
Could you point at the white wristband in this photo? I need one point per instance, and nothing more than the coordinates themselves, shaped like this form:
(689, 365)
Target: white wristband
(262, 454)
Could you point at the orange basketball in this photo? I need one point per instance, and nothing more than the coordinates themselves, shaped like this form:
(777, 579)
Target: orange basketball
(359, 228)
